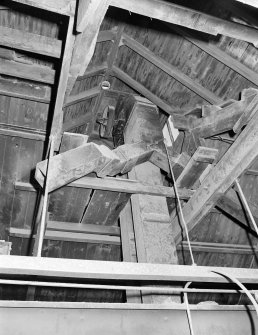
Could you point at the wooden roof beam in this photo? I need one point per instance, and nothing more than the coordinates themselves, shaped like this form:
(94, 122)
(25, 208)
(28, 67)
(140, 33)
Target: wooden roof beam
(90, 17)
(122, 271)
(170, 70)
(220, 55)
(189, 18)
(234, 162)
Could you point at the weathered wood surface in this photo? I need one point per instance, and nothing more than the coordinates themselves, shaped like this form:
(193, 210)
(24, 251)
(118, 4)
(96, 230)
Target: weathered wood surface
(91, 157)
(170, 70)
(183, 16)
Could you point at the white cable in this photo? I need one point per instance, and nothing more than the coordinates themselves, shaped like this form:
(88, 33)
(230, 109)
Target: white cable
(178, 201)
(188, 311)
(236, 281)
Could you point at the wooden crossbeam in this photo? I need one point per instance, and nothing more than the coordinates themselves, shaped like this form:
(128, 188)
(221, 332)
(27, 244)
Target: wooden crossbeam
(83, 228)
(183, 16)
(68, 236)
(34, 43)
(170, 70)
(42, 74)
(117, 185)
(237, 158)
(122, 271)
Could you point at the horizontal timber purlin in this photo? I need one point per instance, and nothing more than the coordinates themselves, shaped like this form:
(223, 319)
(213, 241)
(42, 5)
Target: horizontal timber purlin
(83, 228)
(183, 16)
(220, 55)
(81, 237)
(118, 185)
(33, 72)
(218, 248)
(34, 43)
(122, 271)
(121, 75)
(170, 70)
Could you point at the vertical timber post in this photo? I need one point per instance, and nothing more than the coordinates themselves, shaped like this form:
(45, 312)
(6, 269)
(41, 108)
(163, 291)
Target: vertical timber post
(152, 226)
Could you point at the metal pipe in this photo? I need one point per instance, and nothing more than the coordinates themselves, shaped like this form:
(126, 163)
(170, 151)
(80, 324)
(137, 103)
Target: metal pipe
(122, 287)
(243, 198)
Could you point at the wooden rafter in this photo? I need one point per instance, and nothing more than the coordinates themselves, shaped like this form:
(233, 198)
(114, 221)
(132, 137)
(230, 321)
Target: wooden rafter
(183, 16)
(220, 55)
(84, 46)
(170, 70)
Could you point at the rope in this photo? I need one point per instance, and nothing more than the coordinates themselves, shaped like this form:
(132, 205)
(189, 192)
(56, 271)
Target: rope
(188, 311)
(178, 199)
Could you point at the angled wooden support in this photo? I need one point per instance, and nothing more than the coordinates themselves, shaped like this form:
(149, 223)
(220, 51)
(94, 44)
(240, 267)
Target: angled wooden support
(189, 177)
(74, 164)
(197, 164)
(170, 69)
(237, 159)
(217, 53)
(183, 16)
(90, 16)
